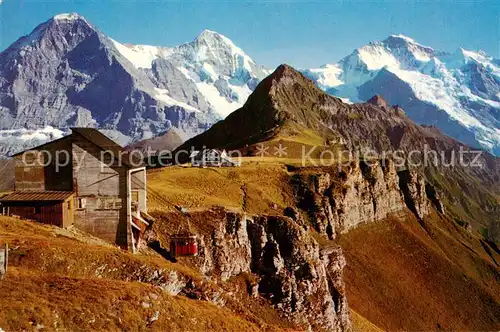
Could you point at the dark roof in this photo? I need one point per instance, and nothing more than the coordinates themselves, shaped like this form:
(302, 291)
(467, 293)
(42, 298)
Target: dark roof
(98, 138)
(105, 143)
(29, 196)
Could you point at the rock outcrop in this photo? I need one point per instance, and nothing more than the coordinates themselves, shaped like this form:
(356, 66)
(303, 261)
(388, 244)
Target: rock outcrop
(303, 282)
(413, 189)
(362, 192)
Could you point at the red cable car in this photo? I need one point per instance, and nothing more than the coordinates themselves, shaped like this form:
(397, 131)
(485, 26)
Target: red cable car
(184, 244)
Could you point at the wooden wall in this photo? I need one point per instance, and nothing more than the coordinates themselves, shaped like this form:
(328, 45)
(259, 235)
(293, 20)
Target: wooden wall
(138, 186)
(68, 212)
(52, 213)
(37, 170)
(93, 179)
(89, 178)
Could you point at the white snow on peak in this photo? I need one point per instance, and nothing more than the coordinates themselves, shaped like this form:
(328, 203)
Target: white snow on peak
(463, 56)
(419, 54)
(326, 76)
(221, 104)
(410, 41)
(67, 17)
(409, 49)
(406, 38)
(210, 57)
(483, 59)
(477, 56)
(209, 35)
(434, 77)
(376, 57)
(214, 44)
(163, 96)
(141, 56)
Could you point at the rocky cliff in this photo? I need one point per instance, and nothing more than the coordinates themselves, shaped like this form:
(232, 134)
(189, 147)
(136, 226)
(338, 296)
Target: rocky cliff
(302, 281)
(288, 109)
(362, 192)
(291, 259)
(279, 258)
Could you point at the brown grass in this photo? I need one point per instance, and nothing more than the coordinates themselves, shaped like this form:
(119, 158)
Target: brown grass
(29, 300)
(402, 275)
(69, 283)
(361, 324)
(254, 187)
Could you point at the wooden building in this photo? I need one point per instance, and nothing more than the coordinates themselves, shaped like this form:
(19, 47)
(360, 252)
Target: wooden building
(104, 189)
(50, 207)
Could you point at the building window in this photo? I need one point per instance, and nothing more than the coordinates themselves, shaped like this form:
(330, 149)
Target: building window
(81, 203)
(109, 203)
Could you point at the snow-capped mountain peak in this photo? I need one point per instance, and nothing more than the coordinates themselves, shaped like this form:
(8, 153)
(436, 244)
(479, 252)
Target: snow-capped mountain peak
(210, 35)
(68, 17)
(460, 92)
(213, 48)
(402, 40)
(221, 71)
(405, 38)
(62, 22)
(85, 78)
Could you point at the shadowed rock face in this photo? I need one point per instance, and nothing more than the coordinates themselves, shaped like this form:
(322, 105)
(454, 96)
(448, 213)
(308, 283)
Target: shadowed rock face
(67, 73)
(378, 100)
(168, 141)
(303, 282)
(287, 102)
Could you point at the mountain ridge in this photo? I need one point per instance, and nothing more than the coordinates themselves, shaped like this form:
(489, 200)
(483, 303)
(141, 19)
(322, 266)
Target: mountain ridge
(84, 78)
(193, 85)
(432, 86)
(287, 106)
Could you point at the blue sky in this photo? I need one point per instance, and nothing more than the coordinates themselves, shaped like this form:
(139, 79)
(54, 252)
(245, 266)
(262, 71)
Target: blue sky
(300, 33)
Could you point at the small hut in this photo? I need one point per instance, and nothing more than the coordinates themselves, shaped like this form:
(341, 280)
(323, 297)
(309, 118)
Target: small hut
(49, 207)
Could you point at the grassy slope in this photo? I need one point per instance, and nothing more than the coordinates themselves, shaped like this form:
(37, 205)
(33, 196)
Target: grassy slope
(400, 275)
(404, 275)
(74, 304)
(65, 281)
(361, 324)
(254, 187)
